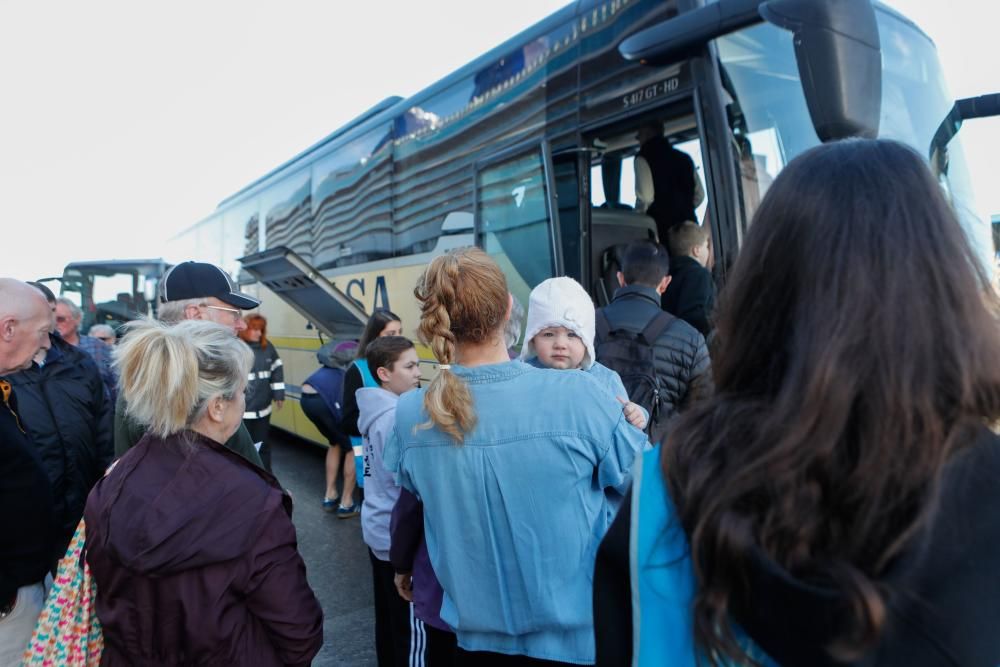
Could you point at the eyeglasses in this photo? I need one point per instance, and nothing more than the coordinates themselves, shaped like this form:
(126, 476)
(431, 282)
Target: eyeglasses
(236, 313)
(106, 339)
(62, 319)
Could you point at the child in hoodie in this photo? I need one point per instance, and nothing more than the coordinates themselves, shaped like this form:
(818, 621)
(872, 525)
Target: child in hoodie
(394, 365)
(560, 335)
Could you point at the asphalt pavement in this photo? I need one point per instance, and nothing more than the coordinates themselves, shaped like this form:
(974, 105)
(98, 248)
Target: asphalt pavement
(336, 557)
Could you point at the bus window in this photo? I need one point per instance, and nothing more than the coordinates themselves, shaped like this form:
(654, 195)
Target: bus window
(513, 218)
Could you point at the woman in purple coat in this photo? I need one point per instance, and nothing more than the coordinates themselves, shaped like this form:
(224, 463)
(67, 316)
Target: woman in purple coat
(191, 546)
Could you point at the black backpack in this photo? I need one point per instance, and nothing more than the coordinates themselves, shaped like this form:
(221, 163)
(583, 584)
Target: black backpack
(631, 355)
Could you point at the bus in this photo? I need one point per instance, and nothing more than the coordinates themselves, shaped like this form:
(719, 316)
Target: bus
(529, 152)
(113, 292)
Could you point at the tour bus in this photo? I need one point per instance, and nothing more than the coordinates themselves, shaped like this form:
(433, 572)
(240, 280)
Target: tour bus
(114, 291)
(529, 152)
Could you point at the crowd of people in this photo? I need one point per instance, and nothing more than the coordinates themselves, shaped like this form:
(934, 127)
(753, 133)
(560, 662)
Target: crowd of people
(819, 490)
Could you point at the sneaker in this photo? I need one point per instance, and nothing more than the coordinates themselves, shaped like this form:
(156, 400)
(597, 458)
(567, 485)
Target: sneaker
(329, 505)
(348, 512)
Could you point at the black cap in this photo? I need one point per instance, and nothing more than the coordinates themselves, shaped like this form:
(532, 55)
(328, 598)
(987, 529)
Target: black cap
(196, 280)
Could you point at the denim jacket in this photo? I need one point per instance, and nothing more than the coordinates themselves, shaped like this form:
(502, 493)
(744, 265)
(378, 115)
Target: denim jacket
(513, 515)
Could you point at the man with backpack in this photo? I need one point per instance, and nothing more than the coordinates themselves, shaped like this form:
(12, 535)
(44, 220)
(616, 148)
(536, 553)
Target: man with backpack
(662, 360)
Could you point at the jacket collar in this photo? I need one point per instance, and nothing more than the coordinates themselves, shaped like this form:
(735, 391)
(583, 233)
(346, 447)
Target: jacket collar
(491, 372)
(638, 292)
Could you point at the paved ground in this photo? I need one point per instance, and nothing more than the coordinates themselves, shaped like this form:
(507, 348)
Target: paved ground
(336, 557)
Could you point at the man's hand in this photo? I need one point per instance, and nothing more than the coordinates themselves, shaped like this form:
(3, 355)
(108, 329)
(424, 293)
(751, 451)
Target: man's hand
(279, 404)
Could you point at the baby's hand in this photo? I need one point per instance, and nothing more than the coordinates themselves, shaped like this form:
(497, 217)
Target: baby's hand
(633, 413)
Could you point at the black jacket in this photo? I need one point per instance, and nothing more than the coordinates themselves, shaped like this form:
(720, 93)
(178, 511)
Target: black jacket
(673, 184)
(682, 363)
(68, 416)
(266, 382)
(27, 525)
(352, 382)
(690, 294)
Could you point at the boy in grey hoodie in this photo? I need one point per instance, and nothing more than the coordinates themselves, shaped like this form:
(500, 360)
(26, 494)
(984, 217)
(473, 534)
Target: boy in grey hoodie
(394, 365)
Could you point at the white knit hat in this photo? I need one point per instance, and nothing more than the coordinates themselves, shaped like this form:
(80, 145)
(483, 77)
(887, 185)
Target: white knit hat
(560, 302)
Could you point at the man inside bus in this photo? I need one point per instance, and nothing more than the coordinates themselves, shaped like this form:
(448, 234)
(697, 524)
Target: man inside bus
(195, 291)
(667, 186)
(68, 319)
(691, 292)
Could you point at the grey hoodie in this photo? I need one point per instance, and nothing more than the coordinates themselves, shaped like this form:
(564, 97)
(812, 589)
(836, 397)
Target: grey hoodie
(376, 418)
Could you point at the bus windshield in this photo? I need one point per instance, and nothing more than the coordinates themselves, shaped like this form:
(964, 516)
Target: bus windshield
(111, 293)
(771, 123)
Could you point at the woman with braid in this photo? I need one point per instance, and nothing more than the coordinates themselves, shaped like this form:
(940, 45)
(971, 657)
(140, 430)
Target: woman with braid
(513, 465)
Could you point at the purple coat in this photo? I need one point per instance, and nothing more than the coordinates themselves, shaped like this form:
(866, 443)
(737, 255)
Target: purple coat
(194, 555)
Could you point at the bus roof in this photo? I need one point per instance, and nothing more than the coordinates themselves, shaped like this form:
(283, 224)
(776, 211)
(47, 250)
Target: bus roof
(391, 107)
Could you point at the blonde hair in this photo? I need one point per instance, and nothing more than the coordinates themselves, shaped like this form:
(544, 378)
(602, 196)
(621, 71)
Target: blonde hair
(168, 374)
(463, 299)
(683, 237)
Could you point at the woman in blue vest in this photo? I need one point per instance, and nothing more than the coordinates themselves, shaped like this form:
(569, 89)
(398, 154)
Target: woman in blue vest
(381, 323)
(836, 498)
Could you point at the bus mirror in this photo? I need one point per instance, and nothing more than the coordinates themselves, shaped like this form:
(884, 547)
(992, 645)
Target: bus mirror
(984, 106)
(837, 50)
(839, 58)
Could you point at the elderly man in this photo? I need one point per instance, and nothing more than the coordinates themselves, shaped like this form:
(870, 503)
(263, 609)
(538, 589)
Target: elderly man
(65, 409)
(26, 514)
(103, 333)
(68, 319)
(195, 291)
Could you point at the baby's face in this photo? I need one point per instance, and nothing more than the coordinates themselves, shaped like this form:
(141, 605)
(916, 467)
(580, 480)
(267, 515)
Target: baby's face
(558, 347)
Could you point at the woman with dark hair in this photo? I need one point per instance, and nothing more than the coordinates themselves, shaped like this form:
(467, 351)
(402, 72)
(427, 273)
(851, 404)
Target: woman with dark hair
(381, 323)
(265, 385)
(839, 490)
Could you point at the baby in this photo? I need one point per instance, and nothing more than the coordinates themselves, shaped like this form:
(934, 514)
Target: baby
(560, 335)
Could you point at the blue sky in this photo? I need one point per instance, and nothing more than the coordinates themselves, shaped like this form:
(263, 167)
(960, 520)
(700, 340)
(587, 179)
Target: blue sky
(124, 123)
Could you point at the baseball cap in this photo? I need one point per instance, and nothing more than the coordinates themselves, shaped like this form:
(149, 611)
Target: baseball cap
(196, 280)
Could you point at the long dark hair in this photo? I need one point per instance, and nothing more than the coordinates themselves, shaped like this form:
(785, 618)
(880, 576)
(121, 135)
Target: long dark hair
(378, 321)
(856, 351)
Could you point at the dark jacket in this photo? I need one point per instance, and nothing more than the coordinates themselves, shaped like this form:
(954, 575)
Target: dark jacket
(943, 606)
(682, 363)
(129, 432)
(690, 294)
(352, 382)
(27, 520)
(408, 554)
(68, 416)
(195, 559)
(673, 184)
(266, 382)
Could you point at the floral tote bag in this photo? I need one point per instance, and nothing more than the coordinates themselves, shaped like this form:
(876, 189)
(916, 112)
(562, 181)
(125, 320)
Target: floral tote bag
(68, 632)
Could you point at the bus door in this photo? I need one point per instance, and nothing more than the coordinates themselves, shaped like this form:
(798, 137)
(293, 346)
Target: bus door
(645, 172)
(517, 221)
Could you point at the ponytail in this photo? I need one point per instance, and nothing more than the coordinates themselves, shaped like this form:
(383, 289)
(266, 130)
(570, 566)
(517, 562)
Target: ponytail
(463, 298)
(167, 374)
